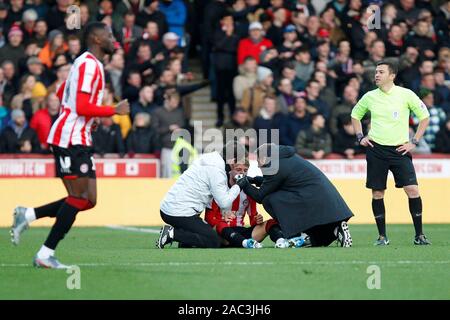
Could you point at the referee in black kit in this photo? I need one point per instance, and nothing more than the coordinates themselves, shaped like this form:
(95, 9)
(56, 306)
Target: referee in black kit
(388, 145)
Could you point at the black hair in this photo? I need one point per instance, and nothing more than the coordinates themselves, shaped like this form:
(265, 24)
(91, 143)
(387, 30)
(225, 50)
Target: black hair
(391, 66)
(90, 29)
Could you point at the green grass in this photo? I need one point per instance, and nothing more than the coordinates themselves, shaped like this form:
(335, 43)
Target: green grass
(125, 265)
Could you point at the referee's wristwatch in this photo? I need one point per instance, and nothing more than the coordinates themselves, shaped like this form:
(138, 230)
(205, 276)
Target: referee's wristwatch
(359, 137)
(415, 141)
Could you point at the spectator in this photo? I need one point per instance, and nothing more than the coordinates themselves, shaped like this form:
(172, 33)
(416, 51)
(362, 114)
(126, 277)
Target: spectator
(326, 86)
(54, 46)
(286, 98)
(40, 32)
(74, 48)
(10, 83)
(62, 73)
(437, 117)
(18, 137)
(13, 51)
(151, 13)
(269, 119)
(22, 100)
(4, 115)
(145, 103)
(115, 70)
(253, 97)
(442, 142)
(225, 43)
(315, 142)
(343, 109)
(132, 86)
(246, 79)
(29, 19)
(395, 45)
(442, 90)
(176, 14)
(290, 42)
(168, 120)
(254, 45)
(275, 32)
(57, 14)
(288, 71)
(239, 120)
(345, 142)
(15, 14)
(129, 32)
(422, 40)
(37, 69)
(313, 98)
(304, 66)
(143, 138)
(42, 120)
(408, 12)
(108, 138)
(295, 122)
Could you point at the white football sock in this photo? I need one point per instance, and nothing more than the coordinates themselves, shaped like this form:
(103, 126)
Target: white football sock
(45, 253)
(30, 215)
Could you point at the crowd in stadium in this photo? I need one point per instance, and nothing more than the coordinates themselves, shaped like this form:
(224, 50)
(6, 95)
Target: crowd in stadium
(294, 65)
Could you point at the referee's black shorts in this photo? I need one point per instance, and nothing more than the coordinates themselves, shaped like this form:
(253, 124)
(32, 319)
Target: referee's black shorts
(381, 159)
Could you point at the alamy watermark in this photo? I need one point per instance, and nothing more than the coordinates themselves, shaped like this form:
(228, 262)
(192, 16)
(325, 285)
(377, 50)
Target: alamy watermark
(73, 17)
(374, 280)
(374, 20)
(73, 281)
(216, 140)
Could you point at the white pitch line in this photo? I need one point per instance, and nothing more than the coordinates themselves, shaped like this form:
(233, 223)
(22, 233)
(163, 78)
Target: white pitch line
(132, 229)
(239, 263)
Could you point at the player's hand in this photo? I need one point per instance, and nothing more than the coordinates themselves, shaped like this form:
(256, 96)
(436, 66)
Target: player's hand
(259, 218)
(405, 148)
(123, 107)
(365, 142)
(241, 181)
(228, 216)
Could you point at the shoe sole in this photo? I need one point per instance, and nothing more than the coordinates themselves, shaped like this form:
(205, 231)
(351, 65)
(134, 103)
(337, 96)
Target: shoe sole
(159, 244)
(11, 232)
(344, 236)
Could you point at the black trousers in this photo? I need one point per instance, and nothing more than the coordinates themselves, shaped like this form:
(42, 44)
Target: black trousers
(192, 231)
(322, 235)
(225, 92)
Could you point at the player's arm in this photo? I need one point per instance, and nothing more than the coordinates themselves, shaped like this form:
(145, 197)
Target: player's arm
(358, 112)
(271, 184)
(223, 195)
(84, 106)
(254, 216)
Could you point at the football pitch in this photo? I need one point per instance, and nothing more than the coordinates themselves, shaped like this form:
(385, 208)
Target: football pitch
(124, 264)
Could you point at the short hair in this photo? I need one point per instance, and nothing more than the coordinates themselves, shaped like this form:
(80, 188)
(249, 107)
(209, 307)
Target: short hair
(239, 109)
(392, 67)
(249, 58)
(235, 151)
(90, 29)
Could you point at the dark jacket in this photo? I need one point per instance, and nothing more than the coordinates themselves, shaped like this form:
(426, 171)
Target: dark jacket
(298, 195)
(311, 140)
(10, 142)
(442, 142)
(291, 125)
(142, 140)
(108, 140)
(225, 50)
(343, 141)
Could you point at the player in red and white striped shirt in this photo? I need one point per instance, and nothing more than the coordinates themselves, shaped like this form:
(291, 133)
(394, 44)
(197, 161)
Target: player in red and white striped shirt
(71, 142)
(232, 227)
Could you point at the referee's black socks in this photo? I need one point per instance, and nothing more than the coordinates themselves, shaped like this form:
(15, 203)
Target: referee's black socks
(379, 213)
(415, 208)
